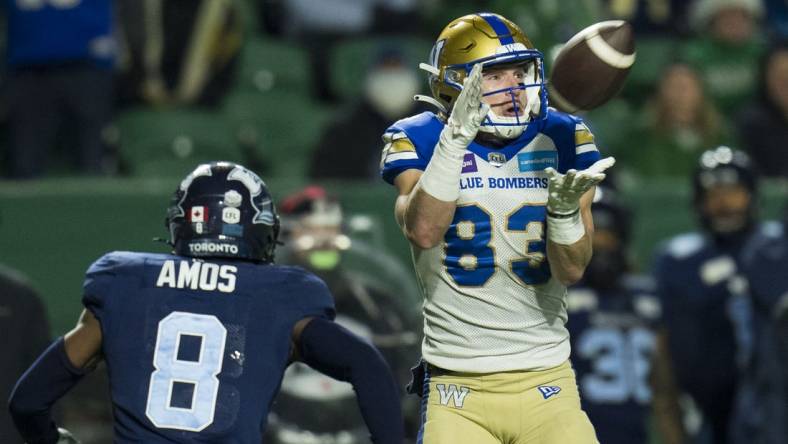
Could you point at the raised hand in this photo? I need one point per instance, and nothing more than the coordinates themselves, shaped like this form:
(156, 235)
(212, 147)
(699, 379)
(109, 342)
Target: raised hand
(564, 190)
(468, 113)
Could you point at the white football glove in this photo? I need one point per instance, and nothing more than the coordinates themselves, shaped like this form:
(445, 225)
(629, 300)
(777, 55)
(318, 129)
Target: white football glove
(468, 113)
(66, 437)
(564, 190)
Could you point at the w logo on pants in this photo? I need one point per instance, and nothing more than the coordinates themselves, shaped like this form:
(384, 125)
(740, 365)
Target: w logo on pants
(452, 393)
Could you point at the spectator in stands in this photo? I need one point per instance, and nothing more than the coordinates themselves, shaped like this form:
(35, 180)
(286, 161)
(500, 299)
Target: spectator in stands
(310, 404)
(727, 45)
(675, 126)
(178, 52)
(763, 126)
(24, 324)
(666, 18)
(347, 148)
(320, 26)
(60, 57)
(547, 23)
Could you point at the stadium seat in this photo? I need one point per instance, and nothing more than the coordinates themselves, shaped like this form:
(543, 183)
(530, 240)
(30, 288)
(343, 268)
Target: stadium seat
(352, 58)
(268, 63)
(286, 126)
(170, 142)
(653, 54)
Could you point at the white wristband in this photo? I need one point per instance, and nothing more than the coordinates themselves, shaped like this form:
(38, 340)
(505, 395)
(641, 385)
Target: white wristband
(565, 230)
(441, 178)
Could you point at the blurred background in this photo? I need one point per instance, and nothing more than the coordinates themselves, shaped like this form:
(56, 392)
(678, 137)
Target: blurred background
(106, 104)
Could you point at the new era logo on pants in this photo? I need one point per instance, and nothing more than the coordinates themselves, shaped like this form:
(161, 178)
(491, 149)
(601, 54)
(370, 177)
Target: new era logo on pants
(549, 390)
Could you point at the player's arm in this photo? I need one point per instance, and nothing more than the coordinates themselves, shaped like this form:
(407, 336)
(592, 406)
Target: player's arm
(333, 350)
(665, 405)
(426, 202)
(53, 374)
(569, 221)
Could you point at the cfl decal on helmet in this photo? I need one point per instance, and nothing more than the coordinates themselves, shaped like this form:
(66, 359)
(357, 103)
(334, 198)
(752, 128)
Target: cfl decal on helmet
(231, 215)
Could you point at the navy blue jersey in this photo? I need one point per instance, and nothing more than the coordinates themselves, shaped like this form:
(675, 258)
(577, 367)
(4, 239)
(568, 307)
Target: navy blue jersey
(762, 415)
(51, 31)
(703, 318)
(196, 349)
(613, 340)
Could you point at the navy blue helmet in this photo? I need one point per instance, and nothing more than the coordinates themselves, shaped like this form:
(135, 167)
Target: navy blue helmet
(222, 209)
(723, 166)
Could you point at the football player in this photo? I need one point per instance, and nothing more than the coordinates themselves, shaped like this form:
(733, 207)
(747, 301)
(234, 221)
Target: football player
(612, 316)
(704, 324)
(495, 192)
(762, 409)
(196, 342)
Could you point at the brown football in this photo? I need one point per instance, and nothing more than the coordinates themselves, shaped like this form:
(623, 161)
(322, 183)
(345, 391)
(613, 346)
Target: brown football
(592, 66)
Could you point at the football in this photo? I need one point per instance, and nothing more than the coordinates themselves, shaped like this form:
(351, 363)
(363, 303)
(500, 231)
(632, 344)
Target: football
(592, 66)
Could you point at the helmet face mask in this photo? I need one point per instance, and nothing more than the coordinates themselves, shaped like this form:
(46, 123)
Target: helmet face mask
(223, 210)
(493, 41)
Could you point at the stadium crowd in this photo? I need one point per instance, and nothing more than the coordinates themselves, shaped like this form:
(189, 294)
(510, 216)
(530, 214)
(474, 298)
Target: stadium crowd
(682, 342)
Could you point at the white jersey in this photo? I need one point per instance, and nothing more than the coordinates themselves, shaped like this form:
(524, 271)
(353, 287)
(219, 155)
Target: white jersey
(490, 304)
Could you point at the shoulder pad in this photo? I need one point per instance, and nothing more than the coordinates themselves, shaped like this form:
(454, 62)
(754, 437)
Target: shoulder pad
(771, 229)
(413, 122)
(685, 245)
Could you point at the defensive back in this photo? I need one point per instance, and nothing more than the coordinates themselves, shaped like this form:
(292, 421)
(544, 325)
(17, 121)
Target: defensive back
(196, 349)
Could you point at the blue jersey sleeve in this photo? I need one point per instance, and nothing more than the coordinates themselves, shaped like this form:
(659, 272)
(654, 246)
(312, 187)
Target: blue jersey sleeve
(311, 296)
(573, 139)
(409, 144)
(98, 283)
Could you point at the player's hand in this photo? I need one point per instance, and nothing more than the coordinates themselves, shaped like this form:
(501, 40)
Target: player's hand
(468, 113)
(564, 190)
(66, 437)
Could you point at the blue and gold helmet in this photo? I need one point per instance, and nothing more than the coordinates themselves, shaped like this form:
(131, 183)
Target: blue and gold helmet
(491, 40)
(222, 209)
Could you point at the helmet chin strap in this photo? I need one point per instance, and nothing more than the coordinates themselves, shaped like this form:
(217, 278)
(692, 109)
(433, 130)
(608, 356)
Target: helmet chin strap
(503, 131)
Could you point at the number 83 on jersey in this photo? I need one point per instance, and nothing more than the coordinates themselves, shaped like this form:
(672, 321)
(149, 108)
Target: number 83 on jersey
(470, 251)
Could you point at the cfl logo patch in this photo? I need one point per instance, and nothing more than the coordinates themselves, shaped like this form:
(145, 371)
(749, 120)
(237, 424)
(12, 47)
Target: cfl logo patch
(548, 390)
(452, 393)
